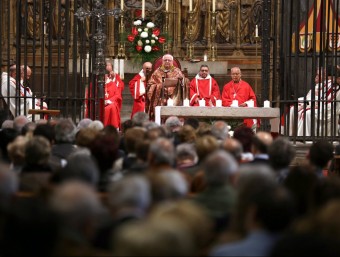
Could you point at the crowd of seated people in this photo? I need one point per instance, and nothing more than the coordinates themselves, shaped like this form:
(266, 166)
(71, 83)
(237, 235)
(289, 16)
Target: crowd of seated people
(151, 190)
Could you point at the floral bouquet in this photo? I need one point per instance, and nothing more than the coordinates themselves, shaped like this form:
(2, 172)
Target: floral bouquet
(146, 41)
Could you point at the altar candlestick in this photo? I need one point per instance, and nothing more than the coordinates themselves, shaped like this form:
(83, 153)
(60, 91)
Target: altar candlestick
(186, 102)
(201, 102)
(266, 104)
(121, 68)
(234, 103)
(170, 102)
(143, 9)
(115, 65)
(250, 103)
(218, 103)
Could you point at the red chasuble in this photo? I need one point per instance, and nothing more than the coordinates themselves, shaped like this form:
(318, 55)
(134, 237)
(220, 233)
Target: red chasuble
(206, 89)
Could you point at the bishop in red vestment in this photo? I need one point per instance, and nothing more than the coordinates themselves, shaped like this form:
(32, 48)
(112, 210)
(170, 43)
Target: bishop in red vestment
(203, 86)
(239, 90)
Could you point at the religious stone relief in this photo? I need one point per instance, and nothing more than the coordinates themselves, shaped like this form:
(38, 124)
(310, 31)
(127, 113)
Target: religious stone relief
(236, 19)
(245, 21)
(53, 17)
(227, 22)
(57, 19)
(194, 26)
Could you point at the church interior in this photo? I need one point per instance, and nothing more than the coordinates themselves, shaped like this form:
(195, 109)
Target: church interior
(234, 150)
(68, 42)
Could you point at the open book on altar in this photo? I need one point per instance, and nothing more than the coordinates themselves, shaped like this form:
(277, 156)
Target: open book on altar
(170, 82)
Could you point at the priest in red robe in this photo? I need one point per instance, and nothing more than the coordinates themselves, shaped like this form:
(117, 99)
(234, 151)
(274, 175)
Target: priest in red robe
(113, 97)
(203, 86)
(137, 88)
(239, 90)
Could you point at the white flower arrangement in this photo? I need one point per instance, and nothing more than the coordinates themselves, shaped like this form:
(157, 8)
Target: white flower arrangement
(146, 41)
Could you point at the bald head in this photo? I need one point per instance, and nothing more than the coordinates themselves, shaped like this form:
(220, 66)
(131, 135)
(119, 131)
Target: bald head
(235, 74)
(19, 122)
(147, 67)
(261, 141)
(28, 72)
(265, 137)
(234, 147)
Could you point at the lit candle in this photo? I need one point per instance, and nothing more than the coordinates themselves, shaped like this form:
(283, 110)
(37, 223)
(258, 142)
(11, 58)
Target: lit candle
(121, 68)
(122, 5)
(201, 102)
(186, 102)
(190, 6)
(205, 58)
(45, 28)
(167, 5)
(234, 103)
(266, 104)
(87, 65)
(115, 65)
(256, 31)
(214, 5)
(250, 103)
(170, 102)
(218, 103)
(143, 9)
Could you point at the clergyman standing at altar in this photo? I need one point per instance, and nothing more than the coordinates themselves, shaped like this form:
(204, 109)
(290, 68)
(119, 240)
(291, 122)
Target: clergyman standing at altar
(155, 85)
(203, 86)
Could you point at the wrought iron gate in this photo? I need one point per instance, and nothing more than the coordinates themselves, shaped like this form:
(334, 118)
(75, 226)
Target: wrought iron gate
(309, 46)
(47, 36)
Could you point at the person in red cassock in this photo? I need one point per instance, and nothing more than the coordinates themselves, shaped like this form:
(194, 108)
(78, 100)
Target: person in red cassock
(239, 90)
(112, 97)
(203, 86)
(138, 88)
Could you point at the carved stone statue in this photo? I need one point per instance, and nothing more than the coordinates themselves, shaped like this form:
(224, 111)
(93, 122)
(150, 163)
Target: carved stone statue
(227, 22)
(27, 20)
(245, 22)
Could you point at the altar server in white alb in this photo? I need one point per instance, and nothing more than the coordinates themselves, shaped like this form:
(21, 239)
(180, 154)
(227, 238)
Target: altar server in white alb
(203, 86)
(138, 88)
(327, 96)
